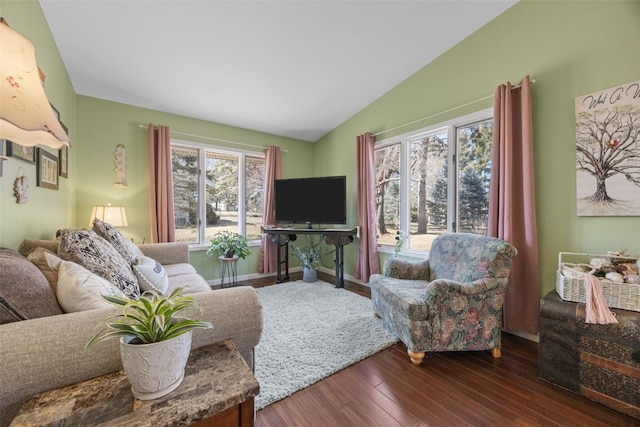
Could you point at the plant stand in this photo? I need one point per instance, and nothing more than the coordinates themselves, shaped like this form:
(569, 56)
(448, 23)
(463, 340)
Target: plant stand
(229, 271)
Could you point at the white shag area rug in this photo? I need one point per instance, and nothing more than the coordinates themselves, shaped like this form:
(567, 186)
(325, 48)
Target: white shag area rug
(312, 330)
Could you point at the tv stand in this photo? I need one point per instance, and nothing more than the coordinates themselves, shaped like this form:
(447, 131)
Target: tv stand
(339, 237)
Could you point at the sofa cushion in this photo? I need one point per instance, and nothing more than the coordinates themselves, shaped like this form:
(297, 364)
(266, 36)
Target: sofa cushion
(181, 269)
(94, 253)
(150, 274)
(48, 263)
(24, 291)
(29, 245)
(79, 289)
(111, 234)
(191, 283)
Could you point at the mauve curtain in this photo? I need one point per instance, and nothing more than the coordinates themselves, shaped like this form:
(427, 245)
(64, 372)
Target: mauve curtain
(161, 185)
(367, 262)
(512, 209)
(273, 171)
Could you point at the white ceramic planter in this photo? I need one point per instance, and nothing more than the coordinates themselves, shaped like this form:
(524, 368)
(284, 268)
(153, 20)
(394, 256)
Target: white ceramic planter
(155, 369)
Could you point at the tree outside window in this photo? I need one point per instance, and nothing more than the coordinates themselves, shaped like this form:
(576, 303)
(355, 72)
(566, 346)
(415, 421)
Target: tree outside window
(426, 186)
(232, 193)
(184, 164)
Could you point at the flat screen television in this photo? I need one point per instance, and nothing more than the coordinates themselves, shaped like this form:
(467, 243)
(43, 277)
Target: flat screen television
(320, 200)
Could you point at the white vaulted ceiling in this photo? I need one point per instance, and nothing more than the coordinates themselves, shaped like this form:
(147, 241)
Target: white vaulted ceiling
(292, 68)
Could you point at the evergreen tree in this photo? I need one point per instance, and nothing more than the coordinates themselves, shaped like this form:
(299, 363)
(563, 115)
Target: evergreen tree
(474, 165)
(473, 207)
(185, 186)
(438, 199)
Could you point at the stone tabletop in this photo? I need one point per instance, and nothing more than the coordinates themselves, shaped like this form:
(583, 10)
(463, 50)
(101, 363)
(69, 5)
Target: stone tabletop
(216, 378)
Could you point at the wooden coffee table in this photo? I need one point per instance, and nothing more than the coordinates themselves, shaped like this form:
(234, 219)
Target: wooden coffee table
(218, 389)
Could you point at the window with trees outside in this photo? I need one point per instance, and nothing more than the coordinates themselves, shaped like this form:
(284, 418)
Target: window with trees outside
(216, 190)
(433, 181)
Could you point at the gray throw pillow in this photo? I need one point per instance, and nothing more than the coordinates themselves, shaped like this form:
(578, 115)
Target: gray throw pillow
(24, 291)
(94, 253)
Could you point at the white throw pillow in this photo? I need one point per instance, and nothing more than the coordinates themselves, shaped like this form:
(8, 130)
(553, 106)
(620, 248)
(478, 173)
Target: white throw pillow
(151, 275)
(79, 289)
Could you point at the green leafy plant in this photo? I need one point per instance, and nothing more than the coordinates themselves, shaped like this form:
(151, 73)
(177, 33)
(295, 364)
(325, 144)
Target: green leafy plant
(228, 244)
(149, 319)
(309, 254)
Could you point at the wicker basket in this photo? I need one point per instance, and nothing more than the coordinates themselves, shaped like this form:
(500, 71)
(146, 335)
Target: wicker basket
(570, 282)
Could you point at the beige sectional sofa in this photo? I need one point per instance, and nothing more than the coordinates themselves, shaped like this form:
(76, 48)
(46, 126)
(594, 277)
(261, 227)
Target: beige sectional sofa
(42, 348)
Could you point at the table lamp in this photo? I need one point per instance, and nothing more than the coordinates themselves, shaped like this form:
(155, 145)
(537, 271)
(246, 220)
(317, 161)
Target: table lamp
(114, 215)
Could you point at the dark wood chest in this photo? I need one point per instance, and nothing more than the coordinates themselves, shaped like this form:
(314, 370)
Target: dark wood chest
(600, 362)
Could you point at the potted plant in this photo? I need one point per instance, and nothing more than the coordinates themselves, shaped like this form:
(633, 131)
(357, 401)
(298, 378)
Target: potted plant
(310, 257)
(228, 245)
(154, 341)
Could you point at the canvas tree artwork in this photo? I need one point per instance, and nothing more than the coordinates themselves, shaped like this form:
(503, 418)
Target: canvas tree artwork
(608, 151)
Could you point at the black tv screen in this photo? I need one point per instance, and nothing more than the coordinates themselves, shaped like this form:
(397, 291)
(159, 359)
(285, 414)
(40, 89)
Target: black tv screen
(321, 200)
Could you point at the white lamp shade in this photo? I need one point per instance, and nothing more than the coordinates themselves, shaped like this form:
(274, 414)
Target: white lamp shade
(26, 117)
(114, 215)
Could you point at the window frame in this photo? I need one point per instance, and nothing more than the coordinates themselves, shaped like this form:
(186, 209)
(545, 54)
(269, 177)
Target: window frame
(452, 125)
(242, 155)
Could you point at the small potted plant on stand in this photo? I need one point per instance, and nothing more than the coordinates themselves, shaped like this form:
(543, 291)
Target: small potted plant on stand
(154, 342)
(310, 257)
(229, 245)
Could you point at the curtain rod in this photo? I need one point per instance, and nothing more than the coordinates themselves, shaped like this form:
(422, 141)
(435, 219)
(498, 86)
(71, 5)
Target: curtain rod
(212, 139)
(442, 112)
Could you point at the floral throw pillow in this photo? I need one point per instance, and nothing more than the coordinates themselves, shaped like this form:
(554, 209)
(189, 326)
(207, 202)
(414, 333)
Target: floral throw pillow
(94, 253)
(111, 234)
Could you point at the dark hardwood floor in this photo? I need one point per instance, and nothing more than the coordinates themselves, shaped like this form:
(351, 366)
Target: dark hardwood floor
(447, 389)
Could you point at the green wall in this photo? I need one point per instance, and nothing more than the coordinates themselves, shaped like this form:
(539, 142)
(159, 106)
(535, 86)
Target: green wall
(570, 48)
(46, 210)
(96, 127)
(102, 125)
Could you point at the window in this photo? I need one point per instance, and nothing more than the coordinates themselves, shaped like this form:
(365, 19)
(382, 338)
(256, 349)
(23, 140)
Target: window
(229, 197)
(427, 186)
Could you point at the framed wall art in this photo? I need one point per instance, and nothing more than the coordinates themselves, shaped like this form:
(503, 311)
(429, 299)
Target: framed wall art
(27, 154)
(608, 151)
(63, 157)
(47, 169)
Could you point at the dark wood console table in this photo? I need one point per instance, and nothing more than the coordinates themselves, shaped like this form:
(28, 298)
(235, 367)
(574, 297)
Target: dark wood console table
(218, 390)
(339, 237)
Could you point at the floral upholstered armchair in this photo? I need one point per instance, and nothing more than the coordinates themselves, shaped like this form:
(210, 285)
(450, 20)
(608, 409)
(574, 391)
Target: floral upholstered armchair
(452, 301)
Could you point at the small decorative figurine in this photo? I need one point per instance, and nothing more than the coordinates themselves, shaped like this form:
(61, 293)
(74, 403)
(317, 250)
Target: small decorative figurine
(21, 189)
